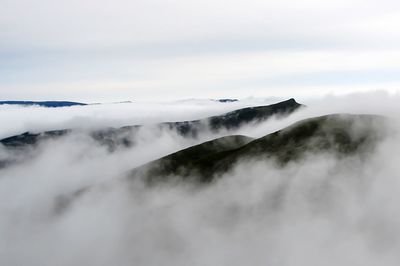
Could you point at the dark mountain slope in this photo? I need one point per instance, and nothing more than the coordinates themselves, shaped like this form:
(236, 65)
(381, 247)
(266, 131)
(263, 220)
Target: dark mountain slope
(237, 118)
(234, 119)
(113, 137)
(192, 159)
(31, 138)
(342, 135)
(110, 137)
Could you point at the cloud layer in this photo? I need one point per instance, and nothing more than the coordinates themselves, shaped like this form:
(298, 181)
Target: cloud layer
(321, 210)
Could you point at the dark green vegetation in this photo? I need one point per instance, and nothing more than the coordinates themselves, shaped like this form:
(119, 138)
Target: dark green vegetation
(195, 160)
(114, 137)
(341, 135)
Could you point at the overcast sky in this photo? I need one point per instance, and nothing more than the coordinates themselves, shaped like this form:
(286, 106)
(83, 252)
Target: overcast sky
(99, 50)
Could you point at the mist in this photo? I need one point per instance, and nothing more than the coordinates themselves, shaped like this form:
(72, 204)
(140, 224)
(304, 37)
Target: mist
(16, 119)
(320, 210)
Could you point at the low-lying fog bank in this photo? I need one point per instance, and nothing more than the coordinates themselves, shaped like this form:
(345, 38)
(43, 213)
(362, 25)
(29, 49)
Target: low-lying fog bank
(320, 210)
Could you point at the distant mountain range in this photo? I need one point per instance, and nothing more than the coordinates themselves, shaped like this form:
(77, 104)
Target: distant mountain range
(113, 137)
(44, 103)
(54, 104)
(338, 135)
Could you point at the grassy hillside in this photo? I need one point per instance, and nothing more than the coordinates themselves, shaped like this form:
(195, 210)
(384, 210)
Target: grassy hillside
(195, 159)
(342, 135)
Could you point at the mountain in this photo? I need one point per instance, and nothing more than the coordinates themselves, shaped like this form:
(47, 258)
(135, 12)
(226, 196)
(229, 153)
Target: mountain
(27, 138)
(43, 103)
(341, 135)
(235, 119)
(227, 100)
(114, 137)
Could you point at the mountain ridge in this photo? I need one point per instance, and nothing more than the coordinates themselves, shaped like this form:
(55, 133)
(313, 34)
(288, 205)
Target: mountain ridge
(341, 134)
(116, 136)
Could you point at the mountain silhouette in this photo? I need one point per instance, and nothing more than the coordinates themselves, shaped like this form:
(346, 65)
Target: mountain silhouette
(339, 134)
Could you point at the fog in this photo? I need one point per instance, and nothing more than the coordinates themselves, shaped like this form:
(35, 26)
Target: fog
(17, 119)
(320, 210)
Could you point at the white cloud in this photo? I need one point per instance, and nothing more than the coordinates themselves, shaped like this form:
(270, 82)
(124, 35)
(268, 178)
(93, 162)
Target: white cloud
(322, 211)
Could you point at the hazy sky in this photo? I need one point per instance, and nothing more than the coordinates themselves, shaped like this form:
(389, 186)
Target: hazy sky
(98, 50)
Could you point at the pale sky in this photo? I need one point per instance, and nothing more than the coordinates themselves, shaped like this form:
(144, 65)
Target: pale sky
(98, 50)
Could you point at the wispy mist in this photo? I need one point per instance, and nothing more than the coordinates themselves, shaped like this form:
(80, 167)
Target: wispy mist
(320, 210)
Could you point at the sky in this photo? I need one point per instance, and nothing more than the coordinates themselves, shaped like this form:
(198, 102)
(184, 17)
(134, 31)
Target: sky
(99, 50)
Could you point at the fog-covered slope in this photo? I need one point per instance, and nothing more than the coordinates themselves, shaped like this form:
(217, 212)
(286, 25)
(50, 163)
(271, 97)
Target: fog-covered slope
(122, 136)
(339, 134)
